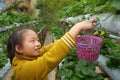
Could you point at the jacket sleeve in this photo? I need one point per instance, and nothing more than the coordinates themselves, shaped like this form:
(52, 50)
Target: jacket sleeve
(44, 49)
(46, 63)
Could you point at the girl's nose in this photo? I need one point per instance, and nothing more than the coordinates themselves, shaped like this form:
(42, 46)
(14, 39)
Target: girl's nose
(38, 44)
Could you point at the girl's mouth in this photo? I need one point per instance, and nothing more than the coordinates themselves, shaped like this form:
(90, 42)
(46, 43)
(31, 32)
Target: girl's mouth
(38, 49)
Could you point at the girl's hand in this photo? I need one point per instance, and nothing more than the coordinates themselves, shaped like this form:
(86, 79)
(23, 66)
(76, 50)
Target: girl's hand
(77, 28)
(85, 25)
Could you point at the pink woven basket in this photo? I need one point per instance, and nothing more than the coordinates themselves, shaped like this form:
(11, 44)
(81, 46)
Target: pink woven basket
(88, 47)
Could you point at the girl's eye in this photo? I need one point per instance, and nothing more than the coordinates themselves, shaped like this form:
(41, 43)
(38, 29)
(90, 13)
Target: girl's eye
(38, 40)
(32, 41)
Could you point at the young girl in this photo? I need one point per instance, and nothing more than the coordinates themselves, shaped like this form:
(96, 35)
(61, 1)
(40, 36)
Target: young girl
(30, 61)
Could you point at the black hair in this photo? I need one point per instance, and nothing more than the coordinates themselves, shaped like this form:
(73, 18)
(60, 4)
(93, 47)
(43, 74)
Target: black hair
(14, 39)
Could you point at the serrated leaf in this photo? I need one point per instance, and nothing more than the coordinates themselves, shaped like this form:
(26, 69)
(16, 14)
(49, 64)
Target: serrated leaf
(74, 78)
(85, 71)
(69, 73)
(60, 73)
(81, 75)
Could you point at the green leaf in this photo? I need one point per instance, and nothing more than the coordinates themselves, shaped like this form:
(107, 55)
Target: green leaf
(85, 71)
(69, 64)
(65, 79)
(1, 78)
(82, 63)
(69, 73)
(74, 78)
(88, 8)
(100, 2)
(99, 8)
(60, 73)
(90, 1)
(116, 4)
(80, 75)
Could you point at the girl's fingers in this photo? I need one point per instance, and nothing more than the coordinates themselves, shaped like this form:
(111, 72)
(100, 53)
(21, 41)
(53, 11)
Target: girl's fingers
(94, 20)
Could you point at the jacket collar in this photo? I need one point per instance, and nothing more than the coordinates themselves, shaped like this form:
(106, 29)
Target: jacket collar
(25, 57)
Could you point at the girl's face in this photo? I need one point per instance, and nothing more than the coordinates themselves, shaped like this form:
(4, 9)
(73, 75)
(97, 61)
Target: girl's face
(31, 44)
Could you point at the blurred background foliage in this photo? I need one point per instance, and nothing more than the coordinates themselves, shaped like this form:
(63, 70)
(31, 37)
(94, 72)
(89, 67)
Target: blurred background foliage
(50, 9)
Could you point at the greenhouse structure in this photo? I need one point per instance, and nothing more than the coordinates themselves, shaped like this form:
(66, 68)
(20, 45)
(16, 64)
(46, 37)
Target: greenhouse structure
(53, 53)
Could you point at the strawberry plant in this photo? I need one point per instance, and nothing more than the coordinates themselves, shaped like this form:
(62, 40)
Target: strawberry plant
(88, 6)
(75, 69)
(10, 17)
(48, 8)
(109, 45)
(56, 31)
(3, 59)
(110, 48)
(3, 56)
(114, 57)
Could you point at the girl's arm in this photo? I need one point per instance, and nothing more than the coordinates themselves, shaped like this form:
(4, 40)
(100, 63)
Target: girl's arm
(74, 31)
(44, 49)
(46, 63)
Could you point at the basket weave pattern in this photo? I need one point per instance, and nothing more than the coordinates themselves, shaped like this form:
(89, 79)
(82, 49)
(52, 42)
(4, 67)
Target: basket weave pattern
(88, 47)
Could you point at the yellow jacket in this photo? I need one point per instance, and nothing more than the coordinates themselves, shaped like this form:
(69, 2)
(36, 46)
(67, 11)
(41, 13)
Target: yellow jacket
(26, 68)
